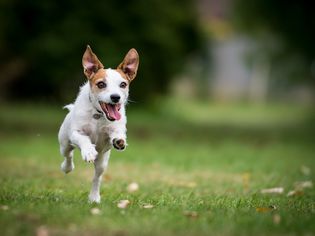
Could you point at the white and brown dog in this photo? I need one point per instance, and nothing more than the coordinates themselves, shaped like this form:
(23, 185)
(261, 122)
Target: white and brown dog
(96, 121)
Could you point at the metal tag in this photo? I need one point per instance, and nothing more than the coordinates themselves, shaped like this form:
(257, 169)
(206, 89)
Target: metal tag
(97, 116)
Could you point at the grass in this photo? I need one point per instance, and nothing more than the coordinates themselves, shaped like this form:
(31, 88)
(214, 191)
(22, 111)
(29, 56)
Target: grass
(202, 167)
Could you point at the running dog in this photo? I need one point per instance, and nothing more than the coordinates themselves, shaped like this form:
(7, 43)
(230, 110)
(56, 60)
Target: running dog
(96, 121)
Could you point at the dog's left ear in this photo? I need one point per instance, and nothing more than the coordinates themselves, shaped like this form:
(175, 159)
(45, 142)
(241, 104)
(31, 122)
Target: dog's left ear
(90, 63)
(130, 64)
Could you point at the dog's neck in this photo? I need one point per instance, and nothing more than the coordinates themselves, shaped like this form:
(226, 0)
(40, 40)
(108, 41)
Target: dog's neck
(97, 114)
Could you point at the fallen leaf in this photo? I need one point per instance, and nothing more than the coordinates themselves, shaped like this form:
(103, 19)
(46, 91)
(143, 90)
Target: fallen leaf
(277, 190)
(266, 209)
(4, 207)
(295, 193)
(305, 170)
(276, 219)
(147, 206)
(122, 204)
(42, 231)
(95, 211)
(133, 187)
(191, 214)
(303, 184)
(273, 207)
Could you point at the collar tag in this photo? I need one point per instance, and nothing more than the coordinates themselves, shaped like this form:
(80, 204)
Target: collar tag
(97, 116)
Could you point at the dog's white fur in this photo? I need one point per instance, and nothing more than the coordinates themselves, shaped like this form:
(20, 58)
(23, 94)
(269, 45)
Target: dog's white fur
(88, 129)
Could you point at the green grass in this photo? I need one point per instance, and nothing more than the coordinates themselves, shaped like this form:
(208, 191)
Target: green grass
(201, 165)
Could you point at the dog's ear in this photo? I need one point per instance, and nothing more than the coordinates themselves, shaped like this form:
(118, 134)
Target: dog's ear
(90, 63)
(130, 64)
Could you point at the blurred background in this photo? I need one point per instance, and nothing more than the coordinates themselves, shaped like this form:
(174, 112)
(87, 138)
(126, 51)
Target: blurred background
(229, 50)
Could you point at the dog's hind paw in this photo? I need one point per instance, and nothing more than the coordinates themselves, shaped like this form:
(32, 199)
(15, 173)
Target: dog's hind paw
(89, 154)
(119, 144)
(67, 167)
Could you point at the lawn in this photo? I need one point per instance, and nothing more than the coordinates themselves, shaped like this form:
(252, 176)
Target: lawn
(200, 168)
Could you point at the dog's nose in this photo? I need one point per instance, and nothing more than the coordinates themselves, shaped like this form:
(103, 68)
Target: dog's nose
(115, 98)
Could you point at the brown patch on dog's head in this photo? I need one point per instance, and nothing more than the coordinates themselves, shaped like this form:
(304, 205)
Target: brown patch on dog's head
(91, 64)
(129, 66)
(94, 69)
(99, 76)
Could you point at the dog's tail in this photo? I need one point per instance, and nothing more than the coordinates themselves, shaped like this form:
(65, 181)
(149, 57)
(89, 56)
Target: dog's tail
(69, 107)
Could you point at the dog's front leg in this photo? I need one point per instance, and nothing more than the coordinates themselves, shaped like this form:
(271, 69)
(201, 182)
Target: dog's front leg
(118, 136)
(83, 142)
(100, 165)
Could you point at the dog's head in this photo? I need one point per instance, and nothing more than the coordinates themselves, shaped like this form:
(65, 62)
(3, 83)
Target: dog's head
(110, 87)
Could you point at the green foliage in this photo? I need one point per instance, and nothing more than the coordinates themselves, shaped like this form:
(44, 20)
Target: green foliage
(49, 38)
(292, 23)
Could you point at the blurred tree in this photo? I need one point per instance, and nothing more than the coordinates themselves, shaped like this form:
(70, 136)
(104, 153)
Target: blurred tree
(42, 42)
(293, 24)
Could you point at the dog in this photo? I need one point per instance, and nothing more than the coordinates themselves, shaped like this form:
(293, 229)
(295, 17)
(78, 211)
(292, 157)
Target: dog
(96, 121)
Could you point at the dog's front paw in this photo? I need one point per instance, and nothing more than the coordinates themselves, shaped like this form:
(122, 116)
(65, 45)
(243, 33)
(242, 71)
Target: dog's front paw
(119, 144)
(94, 198)
(89, 154)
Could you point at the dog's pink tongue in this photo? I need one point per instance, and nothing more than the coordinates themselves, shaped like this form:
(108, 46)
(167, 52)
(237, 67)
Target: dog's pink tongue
(113, 111)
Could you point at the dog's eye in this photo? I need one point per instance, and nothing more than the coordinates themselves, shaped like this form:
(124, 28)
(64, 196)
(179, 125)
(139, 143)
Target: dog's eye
(123, 85)
(101, 85)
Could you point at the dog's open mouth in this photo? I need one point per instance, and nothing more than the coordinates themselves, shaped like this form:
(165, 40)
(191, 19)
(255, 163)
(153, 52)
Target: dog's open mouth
(111, 111)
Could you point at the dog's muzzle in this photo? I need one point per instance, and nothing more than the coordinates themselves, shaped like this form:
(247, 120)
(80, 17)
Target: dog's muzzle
(112, 111)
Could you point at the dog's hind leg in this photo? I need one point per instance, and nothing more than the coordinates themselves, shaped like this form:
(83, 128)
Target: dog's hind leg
(66, 150)
(100, 165)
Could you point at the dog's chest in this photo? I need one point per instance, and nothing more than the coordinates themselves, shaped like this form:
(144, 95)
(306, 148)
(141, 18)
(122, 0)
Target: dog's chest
(98, 133)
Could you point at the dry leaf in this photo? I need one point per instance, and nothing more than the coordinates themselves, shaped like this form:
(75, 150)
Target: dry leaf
(122, 204)
(191, 214)
(4, 207)
(277, 190)
(305, 170)
(42, 231)
(266, 209)
(95, 211)
(133, 187)
(147, 206)
(276, 219)
(295, 193)
(303, 184)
